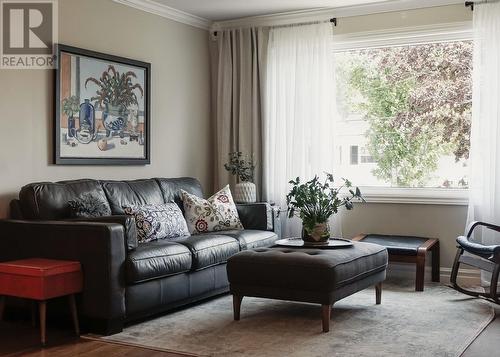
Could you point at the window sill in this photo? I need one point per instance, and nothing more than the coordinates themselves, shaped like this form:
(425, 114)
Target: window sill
(428, 196)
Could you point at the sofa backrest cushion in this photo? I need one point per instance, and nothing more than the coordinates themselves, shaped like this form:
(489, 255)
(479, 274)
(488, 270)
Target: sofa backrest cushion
(131, 193)
(49, 200)
(171, 188)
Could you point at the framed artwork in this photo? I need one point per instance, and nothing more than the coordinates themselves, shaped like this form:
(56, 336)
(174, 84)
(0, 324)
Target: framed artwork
(102, 105)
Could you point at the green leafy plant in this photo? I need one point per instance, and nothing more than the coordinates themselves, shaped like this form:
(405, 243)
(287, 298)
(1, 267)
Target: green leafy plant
(315, 201)
(241, 165)
(115, 88)
(70, 105)
(417, 101)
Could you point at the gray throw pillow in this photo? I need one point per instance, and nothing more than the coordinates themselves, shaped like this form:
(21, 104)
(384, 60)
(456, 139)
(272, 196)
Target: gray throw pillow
(89, 205)
(158, 221)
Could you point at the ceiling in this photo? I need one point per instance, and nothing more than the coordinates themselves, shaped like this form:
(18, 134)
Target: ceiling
(219, 10)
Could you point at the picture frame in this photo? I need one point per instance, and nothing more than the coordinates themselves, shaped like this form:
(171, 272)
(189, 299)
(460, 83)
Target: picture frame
(102, 109)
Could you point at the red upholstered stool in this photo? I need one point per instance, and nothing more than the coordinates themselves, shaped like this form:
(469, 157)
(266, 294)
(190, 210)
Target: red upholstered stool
(41, 280)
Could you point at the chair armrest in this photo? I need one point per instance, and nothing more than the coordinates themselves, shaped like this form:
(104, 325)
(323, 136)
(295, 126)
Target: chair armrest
(99, 247)
(475, 224)
(486, 251)
(128, 223)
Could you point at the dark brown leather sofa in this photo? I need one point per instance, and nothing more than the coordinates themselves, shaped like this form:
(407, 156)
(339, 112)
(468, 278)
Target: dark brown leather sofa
(123, 280)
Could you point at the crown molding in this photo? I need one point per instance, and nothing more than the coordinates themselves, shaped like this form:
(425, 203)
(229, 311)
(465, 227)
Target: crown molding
(323, 14)
(168, 12)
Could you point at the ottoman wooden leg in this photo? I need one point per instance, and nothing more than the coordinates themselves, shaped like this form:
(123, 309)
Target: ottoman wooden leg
(378, 293)
(326, 313)
(2, 306)
(237, 306)
(74, 313)
(42, 306)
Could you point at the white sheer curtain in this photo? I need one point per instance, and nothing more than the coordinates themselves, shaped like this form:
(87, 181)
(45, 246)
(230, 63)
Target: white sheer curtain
(484, 200)
(299, 108)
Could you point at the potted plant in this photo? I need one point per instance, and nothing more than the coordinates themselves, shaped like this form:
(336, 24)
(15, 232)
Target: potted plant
(243, 167)
(316, 201)
(115, 93)
(70, 106)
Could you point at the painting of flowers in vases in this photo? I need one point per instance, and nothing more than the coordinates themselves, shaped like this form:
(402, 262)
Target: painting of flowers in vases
(102, 109)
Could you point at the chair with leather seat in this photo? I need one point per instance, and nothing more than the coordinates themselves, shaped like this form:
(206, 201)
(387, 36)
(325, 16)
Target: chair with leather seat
(484, 257)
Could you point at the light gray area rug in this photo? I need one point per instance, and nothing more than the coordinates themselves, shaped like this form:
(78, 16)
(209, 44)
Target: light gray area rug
(436, 322)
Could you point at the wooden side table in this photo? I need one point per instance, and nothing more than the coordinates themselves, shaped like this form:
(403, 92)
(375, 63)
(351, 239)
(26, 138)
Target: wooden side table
(41, 280)
(408, 249)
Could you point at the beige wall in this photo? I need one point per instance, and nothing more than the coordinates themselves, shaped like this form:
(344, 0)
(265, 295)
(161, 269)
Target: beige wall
(180, 110)
(440, 221)
(180, 98)
(418, 17)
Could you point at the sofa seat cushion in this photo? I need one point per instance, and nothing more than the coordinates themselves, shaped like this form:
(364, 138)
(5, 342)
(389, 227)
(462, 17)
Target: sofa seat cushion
(252, 238)
(157, 259)
(209, 249)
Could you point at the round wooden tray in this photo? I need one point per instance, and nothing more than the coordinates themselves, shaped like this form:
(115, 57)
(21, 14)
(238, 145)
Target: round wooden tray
(333, 243)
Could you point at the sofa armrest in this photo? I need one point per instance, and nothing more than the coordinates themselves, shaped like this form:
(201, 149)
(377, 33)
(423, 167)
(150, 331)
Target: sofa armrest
(260, 215)
(99, 247)
(128, 223)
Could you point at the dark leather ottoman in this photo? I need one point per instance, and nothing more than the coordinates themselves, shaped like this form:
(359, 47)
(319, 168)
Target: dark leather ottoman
(320, 276)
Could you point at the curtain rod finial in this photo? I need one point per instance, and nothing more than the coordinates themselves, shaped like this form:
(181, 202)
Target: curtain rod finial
(334, 21)
(470, 4)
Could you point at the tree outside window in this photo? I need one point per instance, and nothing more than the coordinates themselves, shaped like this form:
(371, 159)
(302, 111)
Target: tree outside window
(416, 103)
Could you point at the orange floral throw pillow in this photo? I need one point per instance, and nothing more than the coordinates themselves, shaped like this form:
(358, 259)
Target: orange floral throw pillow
(218, 213)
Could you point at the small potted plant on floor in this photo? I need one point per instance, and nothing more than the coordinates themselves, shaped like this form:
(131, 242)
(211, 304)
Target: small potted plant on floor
(243, 167)
(316, 201)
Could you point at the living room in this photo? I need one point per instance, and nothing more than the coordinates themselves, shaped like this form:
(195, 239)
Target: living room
(236, 178)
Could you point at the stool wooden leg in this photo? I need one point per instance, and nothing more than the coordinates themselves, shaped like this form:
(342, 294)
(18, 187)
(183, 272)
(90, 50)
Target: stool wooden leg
(420, 276)
(326, 313)
(378, 293)
(74, 313)
(237, 306)
(42, 306)
(2, 306)
(435, 263)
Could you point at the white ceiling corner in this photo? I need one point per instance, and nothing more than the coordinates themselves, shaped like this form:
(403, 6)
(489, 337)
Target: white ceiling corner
(217, 14)
(168, 12)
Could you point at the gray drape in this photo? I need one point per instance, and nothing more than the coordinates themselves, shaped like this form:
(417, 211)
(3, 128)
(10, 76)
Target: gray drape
(237, 59)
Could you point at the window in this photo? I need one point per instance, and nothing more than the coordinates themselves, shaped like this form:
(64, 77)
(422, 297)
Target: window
(404, 114)
(354, 155)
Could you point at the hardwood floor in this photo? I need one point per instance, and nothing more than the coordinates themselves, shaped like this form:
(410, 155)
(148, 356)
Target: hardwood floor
(21, 339)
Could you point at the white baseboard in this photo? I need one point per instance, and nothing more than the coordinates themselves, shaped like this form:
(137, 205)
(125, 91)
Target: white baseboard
(407, 271)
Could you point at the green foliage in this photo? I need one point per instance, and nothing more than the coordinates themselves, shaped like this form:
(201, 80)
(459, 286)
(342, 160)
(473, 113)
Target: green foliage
(241, 165)
(115, 88)
(417, 100)
(315, 201)
(70, 105)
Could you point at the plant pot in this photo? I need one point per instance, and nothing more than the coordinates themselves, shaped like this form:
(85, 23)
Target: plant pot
(320, 234)
(114, 118)
(245, 192)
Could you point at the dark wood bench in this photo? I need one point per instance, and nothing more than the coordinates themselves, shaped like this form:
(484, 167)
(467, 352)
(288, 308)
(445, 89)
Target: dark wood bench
(408, 249)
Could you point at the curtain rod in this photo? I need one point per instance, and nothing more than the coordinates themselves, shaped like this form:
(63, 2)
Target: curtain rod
(471, 4)
(333, 20)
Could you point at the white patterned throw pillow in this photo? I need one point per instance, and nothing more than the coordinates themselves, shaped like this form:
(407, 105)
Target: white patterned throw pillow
(218, 213)
(158, 221)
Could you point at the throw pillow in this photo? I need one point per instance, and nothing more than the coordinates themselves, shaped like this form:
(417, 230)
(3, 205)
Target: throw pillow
(158, 221)
(217, 213)
(89, 205)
